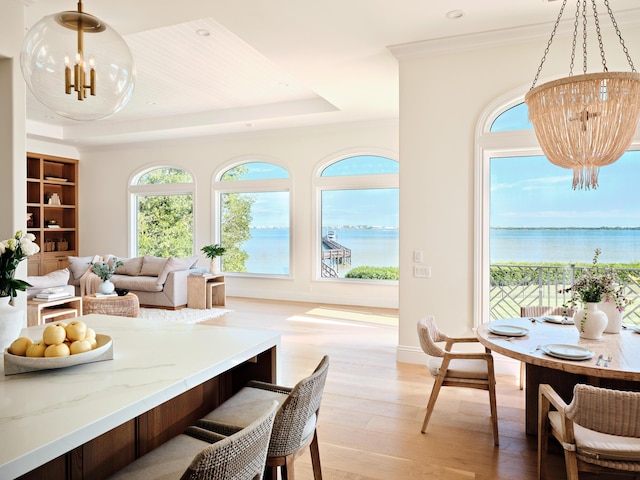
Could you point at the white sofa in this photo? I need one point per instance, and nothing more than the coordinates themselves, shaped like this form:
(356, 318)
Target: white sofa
(158, 282)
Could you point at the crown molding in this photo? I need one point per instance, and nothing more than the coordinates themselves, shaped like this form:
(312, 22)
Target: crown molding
(496, 38)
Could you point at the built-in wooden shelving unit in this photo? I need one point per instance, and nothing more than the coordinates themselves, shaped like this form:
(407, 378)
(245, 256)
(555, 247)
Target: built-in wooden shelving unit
(52, 211)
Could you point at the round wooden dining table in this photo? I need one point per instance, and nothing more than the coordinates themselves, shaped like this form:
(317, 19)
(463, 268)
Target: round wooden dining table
(619, 367)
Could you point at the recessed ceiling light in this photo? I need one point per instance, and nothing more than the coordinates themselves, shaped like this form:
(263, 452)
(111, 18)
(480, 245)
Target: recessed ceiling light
(49, 117)
(152, 103)
(202, 32)
(454, 14)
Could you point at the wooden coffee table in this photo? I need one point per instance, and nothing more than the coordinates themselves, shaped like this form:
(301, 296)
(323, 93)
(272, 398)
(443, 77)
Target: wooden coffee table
(38, 312)
(124, 306)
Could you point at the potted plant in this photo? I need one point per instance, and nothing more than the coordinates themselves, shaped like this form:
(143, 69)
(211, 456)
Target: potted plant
(13, 251)
(591, 288)
(213, 252)
(105, 271)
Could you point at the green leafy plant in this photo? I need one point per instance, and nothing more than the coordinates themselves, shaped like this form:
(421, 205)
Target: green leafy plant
(374, 273)
(12, 252)
(594, 286)
(213, 251)
(105, 270)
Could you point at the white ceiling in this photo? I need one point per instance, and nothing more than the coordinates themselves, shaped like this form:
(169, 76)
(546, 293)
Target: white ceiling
(272, 64)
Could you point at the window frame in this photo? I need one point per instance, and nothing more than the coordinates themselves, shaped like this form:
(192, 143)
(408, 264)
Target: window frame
(345, 182)
(220, 187)
(488, 145)
(134, 191)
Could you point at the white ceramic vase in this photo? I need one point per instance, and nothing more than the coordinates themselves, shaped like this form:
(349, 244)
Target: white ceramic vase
(614, 316)
(11, 322)
(215, 265)
(590, 321)
(106, 287)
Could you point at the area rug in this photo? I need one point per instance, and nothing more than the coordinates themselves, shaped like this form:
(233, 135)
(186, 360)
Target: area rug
(184, 315)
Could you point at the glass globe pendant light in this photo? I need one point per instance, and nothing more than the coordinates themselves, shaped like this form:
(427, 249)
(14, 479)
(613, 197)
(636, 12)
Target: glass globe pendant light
(77, 65)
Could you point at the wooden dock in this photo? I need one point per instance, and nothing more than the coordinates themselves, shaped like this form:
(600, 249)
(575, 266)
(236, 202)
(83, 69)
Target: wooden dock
(333, 254)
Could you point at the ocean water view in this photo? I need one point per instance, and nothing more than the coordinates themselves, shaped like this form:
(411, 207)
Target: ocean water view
(269, 253)
(571, 245)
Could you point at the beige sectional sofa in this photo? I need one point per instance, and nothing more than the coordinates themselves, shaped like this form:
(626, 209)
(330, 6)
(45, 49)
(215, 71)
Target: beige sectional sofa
(158, 282)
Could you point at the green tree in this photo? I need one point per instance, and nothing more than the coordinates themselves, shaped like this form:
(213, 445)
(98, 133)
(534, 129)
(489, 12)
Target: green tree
(236, 222)
(165, 222)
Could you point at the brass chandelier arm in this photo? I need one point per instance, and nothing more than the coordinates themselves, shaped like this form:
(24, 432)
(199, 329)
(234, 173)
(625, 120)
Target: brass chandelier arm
(80, 22)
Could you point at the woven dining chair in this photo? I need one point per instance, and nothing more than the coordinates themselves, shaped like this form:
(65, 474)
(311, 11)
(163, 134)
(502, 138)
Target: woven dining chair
(539, 311)
(294, 428)
(469, 370)
(220, 452)
(599, 430)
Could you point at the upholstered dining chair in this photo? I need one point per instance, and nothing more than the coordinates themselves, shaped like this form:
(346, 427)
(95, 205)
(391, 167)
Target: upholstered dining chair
(220, 452)
(539, 311)
(470, 370)
(599, 430)
(294, 427)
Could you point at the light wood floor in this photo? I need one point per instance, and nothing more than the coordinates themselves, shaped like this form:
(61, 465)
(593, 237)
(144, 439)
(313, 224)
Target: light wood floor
(373, 407)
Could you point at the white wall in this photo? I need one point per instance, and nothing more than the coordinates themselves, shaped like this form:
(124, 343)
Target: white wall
(13, 190)
(442, 95)
(106, 172)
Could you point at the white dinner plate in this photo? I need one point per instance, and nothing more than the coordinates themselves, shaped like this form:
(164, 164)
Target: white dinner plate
(567, 352)
(561, 319)
(508, 330)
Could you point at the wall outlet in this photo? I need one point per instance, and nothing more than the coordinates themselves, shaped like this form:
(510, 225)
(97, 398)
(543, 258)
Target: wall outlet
(422, 271)
(418, 256)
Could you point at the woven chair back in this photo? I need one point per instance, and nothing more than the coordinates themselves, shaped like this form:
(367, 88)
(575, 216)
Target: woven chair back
(614, 412)
(241, 456)
(300, 406)
(542, 310)
(429, 335)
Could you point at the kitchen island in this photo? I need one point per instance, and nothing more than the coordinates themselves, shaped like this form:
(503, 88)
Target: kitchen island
(90, 420)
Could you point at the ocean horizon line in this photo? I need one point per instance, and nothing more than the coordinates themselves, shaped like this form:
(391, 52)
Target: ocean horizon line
(565, 228)
(342, 227)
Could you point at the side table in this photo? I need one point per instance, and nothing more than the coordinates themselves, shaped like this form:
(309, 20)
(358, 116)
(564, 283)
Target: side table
(205, 291)
(124, 306)
(38, 312)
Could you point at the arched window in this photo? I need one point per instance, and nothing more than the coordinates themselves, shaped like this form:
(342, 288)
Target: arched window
(162, 207)
(358, 218)
(253, 212)
(533, 226)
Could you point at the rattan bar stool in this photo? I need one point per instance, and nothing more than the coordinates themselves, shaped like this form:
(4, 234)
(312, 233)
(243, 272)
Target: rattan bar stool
(294, 428)
(220, 452)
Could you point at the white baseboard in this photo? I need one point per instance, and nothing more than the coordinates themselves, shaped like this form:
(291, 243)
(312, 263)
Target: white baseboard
(313, 297)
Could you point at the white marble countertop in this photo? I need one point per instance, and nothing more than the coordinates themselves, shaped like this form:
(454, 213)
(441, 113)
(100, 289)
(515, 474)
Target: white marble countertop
(45, 414)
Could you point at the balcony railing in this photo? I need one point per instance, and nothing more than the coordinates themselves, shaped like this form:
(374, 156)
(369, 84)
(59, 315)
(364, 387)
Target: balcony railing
(513, 286)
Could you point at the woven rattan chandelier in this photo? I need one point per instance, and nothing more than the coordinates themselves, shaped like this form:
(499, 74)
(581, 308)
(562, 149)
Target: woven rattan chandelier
(587, 121)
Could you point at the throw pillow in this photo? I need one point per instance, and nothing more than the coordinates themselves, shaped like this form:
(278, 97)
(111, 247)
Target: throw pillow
(53, 279)
(130, 266)
(152, 266)
(79, 265)
(173, 265)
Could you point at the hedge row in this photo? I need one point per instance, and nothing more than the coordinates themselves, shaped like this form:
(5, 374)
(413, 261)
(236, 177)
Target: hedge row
(518, 273)
(374, 273)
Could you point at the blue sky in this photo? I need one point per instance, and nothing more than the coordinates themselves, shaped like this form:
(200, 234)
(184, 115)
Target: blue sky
(372, 207)
(532, 192)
